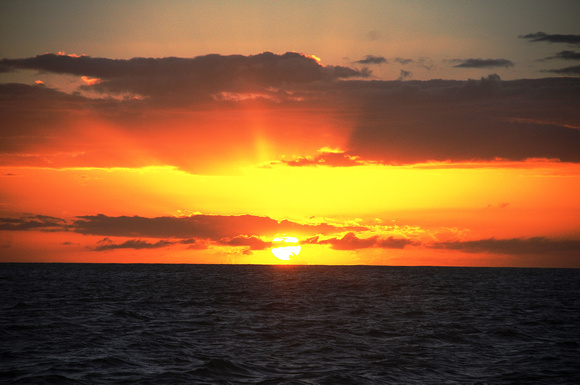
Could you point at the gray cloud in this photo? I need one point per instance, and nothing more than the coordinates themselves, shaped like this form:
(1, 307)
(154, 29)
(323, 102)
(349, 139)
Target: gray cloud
(33, 222)
(552, 38)
(405, 75)
(566, 55)
(476, 120)
(372, 59)
(214, 227)
(483, 63)
(254, 243)
(574, 70)
(392, 121)
(136, 244)
(403, 61)
(193, 78)
(351, 242)
(514, 246)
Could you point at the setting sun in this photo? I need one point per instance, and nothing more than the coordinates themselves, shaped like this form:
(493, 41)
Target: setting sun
(285, 252)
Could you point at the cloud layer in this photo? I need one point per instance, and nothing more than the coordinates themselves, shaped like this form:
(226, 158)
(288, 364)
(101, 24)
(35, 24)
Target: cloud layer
(192, 113)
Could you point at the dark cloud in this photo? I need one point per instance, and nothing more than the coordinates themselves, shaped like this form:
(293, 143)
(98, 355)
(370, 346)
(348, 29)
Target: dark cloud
(191, 108)
(198, 77)
(372, 59)
(514, 246)
(137, 244)
(351, 242)
(254, 243)
(574, 70)
(414, 121)
(33, 222)
(566, 55)
(403, 61)
(483, 63)
(214, 227)
(405, 75)
(552, 38)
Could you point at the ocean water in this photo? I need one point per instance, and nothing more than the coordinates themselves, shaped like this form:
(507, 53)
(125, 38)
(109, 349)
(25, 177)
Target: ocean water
(231, 324)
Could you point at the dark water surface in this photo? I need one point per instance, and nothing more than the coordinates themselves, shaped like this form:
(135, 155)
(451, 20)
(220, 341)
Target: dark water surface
(227, 324)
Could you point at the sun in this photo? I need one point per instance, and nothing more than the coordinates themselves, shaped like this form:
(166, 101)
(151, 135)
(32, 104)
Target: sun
(283, 252)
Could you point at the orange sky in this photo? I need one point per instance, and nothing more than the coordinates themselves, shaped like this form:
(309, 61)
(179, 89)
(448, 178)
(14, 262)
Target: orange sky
(208, 158)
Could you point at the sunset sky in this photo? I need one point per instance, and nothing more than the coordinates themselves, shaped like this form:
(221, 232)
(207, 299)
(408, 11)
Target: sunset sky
(375, 132)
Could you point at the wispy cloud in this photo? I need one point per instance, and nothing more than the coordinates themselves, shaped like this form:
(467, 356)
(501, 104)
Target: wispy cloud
(372, 59)
(552, 38)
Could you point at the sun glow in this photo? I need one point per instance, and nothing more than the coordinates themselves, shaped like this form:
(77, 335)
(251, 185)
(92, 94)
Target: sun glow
(285, 252)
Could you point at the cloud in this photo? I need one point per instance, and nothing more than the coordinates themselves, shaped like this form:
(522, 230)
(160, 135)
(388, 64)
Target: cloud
(403, 61)
(189, 78)
(351, 242)
(413, 121)
(137, 244)
(372, 59)
(254, 243)
(213, 227)
(566, 55)
(574, 70)
(194, 114)
(483, 63)
(405, 74)
(514, 246)
(552, 38)
(330, 159)
(33, 222)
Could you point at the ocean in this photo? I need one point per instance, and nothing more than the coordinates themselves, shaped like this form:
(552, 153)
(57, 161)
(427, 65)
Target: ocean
(252, 324)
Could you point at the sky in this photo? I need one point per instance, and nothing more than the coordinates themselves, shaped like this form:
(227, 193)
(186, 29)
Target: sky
(374, 132)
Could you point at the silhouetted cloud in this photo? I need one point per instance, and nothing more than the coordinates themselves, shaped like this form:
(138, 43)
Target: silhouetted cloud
(457, 121)
(254, 243)
(137, 244)
(190, 78)
(33, 222)
(351, 242)
(483, 63)
(403, 61)
(574, 70)
(566, 55)
(514, 246)
(372, 59)
(214, 227)
(191, 107)
(405, 74)
(552, 38)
